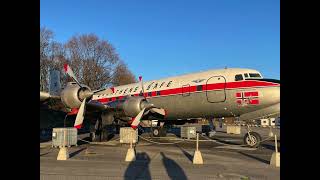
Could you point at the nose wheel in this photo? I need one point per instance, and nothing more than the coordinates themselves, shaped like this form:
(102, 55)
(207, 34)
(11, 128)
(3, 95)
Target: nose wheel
(252, 139)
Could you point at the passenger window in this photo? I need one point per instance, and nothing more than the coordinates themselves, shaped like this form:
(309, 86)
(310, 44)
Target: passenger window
(199, 88)
(135, 89)
(238, 77)
(246, 75)
(169, 83)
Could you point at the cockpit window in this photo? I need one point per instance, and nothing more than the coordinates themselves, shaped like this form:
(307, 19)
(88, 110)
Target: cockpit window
(238, 77)
(254, 75)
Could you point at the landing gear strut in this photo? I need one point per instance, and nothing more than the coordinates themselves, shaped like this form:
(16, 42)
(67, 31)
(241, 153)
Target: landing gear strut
(102, 128)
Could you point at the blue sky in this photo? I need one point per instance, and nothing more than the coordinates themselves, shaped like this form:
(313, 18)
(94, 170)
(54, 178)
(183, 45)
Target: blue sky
(164, 38)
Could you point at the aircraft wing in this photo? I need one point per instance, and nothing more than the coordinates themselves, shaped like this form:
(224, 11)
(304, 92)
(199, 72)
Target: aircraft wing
(45, 96)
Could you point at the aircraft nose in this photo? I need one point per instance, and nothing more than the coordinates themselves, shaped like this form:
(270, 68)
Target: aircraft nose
(277, 94)
(271, 96)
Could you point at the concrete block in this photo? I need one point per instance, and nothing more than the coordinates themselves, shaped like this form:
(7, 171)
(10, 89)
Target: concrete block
(197, 157)
(131, 155)
(63, 154)
(275, 159)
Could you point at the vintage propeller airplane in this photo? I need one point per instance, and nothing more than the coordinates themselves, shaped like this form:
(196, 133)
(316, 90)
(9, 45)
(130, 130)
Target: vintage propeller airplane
(243, 93)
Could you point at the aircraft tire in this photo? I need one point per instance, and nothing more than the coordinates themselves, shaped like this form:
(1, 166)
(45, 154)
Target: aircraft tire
(159, 132)
(256, 139)
(156, 132)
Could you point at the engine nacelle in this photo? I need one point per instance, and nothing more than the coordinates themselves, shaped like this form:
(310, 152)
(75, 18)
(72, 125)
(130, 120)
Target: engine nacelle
(73, 95)
(130, 106)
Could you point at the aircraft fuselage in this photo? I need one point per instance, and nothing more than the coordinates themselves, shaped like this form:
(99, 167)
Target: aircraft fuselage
(214, 93)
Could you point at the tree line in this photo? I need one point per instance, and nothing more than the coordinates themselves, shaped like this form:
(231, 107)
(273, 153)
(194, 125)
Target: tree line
(94, 61)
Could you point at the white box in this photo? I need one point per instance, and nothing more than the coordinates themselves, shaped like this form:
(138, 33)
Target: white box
(60, 139)
(127, 134)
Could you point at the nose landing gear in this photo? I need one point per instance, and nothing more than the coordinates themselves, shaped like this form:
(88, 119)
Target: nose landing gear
(252, 139)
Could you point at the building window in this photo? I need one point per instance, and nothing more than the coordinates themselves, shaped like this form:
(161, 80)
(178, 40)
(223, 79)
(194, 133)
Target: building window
(238, 77)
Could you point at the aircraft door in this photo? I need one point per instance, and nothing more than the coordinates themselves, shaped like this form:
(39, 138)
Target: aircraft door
(216, 89)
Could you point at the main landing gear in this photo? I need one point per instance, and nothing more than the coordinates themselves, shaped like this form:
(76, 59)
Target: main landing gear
(101, 129)
(159, 130)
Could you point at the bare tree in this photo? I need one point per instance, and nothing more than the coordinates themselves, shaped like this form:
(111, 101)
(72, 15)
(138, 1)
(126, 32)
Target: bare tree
(122, 75)
(93, 60)
(46, 36)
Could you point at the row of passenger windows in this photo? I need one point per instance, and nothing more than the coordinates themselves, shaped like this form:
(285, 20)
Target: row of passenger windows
(239, 77)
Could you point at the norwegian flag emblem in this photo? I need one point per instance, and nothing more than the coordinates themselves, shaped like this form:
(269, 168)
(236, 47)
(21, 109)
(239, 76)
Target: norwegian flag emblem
(245, 98)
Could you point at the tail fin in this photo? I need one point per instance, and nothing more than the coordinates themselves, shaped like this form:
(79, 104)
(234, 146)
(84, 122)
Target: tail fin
(54, 84)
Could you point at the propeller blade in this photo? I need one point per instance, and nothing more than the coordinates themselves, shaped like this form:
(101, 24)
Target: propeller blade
(99, 90)
(80, 115)
(159, 111)
(135, 123)
(68, 70)
(141, 83)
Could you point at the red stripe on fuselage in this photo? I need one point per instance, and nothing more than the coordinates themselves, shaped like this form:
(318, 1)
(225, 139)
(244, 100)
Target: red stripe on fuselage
(217, 86)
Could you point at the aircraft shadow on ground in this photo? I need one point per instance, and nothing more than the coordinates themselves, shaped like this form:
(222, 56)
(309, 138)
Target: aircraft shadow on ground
(139, 169)
(254, 157)
(173, 169)
(76, 152)
(188, 155)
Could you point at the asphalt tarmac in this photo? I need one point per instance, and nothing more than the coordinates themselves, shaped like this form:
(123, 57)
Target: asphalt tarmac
(224, 157)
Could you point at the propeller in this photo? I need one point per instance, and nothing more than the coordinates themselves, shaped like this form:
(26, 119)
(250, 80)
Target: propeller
(80, 115)
(69, 71)
(136, 120)
(142, 88)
